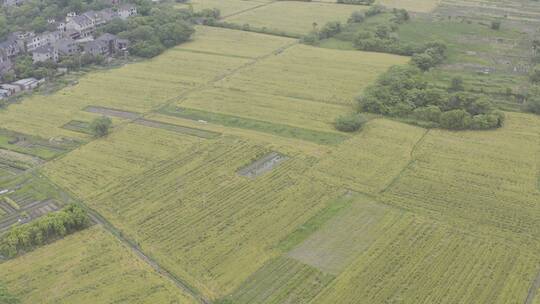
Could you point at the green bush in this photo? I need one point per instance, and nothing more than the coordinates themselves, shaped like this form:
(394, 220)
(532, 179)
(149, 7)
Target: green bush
(100, 126)
(350, 123)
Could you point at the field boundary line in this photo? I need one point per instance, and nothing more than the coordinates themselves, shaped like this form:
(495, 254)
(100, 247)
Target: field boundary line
(535, 286)
(246, 10)
(409, 164)
(99, 219)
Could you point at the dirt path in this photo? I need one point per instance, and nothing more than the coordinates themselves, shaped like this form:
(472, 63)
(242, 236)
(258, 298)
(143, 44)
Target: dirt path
(535, 286)
(100, 220)
(246, 10)
(409, 164)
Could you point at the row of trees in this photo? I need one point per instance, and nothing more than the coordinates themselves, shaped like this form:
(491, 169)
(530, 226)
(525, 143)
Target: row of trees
(24, 238)
(404, 92)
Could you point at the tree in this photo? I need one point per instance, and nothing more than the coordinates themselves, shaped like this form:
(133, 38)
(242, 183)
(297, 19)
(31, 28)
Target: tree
(532, 103)
(100, 126)
(534, 77)
(456, 84)
(423, 61)
(356, 17)
(350, 123)
(455, 119)
(172, 34)
(495, 25)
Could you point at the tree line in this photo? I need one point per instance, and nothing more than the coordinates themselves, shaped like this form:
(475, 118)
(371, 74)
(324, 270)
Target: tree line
(55, 225)
(404, 92)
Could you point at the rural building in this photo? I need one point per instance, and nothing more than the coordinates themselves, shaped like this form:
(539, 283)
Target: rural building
(4, 93)
(11, 2)
(114, 44)
(127, 10)
(101, 17)
(67, 47)
(13, 89)
(5, 64)
(44, 39)
(81, 25)
(45, 53)
(96, 47)
(10, 47)
(28, 83)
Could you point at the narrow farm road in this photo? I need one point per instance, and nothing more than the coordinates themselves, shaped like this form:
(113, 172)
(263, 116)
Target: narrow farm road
(535, 286)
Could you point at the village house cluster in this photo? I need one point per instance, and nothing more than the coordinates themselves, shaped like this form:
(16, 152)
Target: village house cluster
(74, 35)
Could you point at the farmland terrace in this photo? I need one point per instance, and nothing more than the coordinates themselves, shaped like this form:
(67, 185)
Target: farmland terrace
(223, 178)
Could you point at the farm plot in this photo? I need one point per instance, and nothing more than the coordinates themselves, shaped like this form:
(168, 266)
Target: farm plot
(319, 137)
(481, 180)
(26, 197)
(282, 280)
(421, 6)
(520, 11)
(203, 221)
(420, 261)
(35, 146)
(233, 43)
(248, 103)
(226, 7)
(87, 267)
(125, 88)
(341, 239)
(473, 45)
(103, 163)
(292, 17)
(293, 74)
(370, 161)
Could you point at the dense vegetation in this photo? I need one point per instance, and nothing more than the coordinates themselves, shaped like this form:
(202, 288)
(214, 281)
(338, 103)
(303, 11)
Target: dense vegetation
(52, 226)
(404, 92)
(6, 297)
(34, 15)
(154, 31)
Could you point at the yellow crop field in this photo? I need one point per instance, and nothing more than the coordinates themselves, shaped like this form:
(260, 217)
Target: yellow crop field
(421, 6)
(205, 222)
(86, 268)
(137, 87)
(102, 163)
(370, 161)
(421, 261)
(227, 42)
(279, 109)
(487, 179)
(305, 72)
(293, 17)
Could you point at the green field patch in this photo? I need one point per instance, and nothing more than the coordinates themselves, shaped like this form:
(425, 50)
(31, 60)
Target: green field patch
(282, 280)
(112, 112)
(35, 146)
(337, 243)
(78, 126)
(293, 17)
(179, 129)
(320, 137)
(313, 224)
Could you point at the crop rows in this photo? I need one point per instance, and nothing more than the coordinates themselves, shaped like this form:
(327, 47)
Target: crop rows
(87, 267)
(483, 180)
(421, 261)
(282, 280)
(205, 222)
